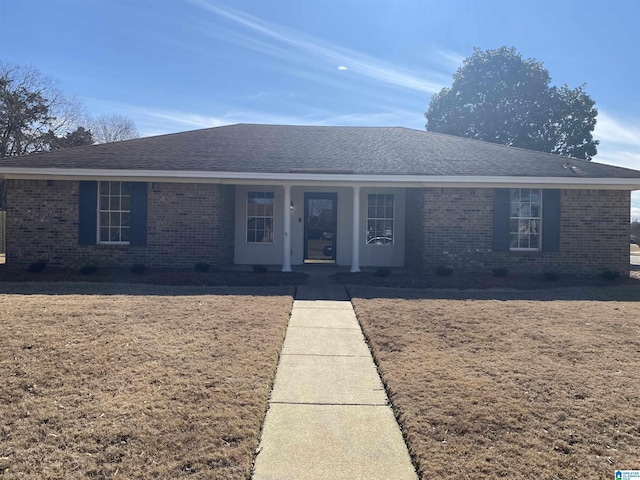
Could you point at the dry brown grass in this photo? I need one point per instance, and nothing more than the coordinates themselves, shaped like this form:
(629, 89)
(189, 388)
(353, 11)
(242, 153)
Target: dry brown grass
(160, 382)
(536, 385)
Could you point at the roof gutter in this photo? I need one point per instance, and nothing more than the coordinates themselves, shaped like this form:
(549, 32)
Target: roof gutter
(327, 179)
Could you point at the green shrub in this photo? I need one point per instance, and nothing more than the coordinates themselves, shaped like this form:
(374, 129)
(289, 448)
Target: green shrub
(88, 269)
(202, 267)
(259, 268)
(500, 272)
(138, 268)
(382, 272)
(444, 271)
(610, 275)
(37, 266)
(551, 276)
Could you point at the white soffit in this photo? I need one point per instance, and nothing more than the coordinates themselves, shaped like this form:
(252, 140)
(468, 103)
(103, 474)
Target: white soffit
(302, 179)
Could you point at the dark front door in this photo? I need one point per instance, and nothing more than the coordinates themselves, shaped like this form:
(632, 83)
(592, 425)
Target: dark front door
(320, 227)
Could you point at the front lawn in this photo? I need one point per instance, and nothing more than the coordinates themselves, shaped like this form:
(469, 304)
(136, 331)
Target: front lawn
(104, 381)
(499, 384)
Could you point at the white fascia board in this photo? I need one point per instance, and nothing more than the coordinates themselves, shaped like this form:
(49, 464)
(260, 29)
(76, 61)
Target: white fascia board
(327, 179)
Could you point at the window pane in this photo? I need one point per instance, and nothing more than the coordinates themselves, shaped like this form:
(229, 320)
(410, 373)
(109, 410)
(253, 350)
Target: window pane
(379, 219)
(525, 217)
(535, 210)
(125, 188)
(104, 219)
(268, 234)
(535, 196)
(115, 219)
(125, 234)
(104, 188)
(125, 219)
(114, 203)
(104, 234)
(125, 204)
(260, 216)
(104, 203)
(114, 234)
(534, 226)
(534, 241)
(524, 240)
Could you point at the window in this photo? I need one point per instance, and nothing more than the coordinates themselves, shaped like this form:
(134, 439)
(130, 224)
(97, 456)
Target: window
(380, 219)
(525, 219)
(260, 217)
(114, 212)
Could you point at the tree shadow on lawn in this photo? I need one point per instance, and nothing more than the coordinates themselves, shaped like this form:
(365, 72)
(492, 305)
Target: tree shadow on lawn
(163, 282)
(596, 289)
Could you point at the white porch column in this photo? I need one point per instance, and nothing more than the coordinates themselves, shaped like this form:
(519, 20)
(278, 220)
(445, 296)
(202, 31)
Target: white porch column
(286, 249)
(355, 248)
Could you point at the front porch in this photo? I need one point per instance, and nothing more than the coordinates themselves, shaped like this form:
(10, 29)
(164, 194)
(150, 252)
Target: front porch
(290, 225)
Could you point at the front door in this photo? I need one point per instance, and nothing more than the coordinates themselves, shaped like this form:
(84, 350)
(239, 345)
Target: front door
(320, 227)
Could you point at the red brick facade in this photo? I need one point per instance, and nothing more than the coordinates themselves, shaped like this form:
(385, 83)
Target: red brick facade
(457, 226)
(186, 224)
(189, 223)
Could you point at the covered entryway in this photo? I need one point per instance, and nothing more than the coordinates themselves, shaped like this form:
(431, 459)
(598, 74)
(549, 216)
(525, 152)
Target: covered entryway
(320, 225)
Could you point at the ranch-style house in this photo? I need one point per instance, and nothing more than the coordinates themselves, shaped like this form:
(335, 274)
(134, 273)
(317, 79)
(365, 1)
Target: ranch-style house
(292, 195)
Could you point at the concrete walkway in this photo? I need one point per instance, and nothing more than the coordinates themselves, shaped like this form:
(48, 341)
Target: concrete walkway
(328, 416)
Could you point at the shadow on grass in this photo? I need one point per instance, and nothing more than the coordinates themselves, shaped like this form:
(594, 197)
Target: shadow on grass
(611, 293)
(152, 282)
(489, 287)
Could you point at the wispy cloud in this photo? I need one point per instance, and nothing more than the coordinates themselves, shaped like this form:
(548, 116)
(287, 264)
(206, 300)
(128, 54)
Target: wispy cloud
(452, 58)
(611, 130)
(310, 50)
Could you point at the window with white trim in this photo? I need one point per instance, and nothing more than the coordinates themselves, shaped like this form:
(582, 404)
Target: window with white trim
(114, 212)
(260, 217)
(380, 211)
(525, 219)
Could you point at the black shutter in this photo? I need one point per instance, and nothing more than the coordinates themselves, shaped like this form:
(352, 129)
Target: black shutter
(88, 213)
(138, 214)
(551, 220)
(501, 205)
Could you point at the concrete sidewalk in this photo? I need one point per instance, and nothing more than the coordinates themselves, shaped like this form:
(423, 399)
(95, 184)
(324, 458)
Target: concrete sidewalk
(328, 416)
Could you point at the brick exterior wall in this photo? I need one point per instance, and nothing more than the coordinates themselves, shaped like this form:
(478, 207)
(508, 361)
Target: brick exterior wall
(190, 223)
(457, 229)
(186, 224)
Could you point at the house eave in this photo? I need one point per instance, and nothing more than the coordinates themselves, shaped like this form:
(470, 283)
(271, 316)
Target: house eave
(326, 179)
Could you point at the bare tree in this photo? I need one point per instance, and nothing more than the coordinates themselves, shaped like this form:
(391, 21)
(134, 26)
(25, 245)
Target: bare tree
(31, 106)
(113, 128)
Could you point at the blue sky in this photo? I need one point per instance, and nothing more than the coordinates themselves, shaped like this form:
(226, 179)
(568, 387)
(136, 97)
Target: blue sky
(187, 64)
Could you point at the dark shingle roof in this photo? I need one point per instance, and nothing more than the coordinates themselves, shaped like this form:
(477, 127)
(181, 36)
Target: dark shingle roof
(285, 149)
